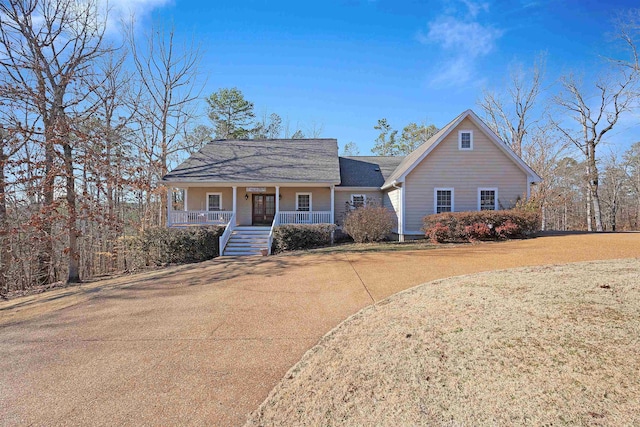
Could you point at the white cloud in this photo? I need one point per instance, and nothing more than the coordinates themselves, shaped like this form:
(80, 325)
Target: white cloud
(463, 40)
(124, 10)
(476, 7)
(468, 38)
(455, 71)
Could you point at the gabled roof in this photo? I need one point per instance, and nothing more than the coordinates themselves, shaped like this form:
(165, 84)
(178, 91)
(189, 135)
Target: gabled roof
(262, 160)
(415, 157)
(367, 171)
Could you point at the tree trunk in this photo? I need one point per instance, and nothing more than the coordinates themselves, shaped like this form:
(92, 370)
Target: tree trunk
(589, 217)
(46, 269)
(592, 175)
(74, 256)
(4, 245)
(612, 214)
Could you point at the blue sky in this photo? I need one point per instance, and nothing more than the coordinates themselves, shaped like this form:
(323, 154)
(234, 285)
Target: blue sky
(346, 63)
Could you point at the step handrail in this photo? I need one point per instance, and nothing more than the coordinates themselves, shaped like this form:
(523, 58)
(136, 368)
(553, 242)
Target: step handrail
(273, 225)
(224, 238)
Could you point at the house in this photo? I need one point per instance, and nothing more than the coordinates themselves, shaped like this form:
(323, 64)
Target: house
(253, 185)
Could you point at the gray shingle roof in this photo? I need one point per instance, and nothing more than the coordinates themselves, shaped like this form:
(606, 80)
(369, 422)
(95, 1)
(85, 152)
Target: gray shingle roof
(367, 171)
(269, 160)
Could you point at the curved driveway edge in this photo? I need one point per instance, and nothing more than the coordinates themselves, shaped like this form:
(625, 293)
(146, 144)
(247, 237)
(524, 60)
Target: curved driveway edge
(204, 344)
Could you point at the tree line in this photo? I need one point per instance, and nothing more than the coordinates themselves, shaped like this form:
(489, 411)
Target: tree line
(88, 127)
(565, 131)
(559, 128)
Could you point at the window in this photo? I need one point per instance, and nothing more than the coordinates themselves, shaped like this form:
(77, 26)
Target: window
(303, 202)
(358, 200)
(487, 199)
(214, 201)
(465, 140)
(443, 200)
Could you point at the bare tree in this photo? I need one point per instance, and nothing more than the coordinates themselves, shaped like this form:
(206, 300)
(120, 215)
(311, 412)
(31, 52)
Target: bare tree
(542, 152)
(315, 129)
(168, 76)
(628, 31)
(596, 114)
(12, 139)
(48, 48)
(615, 185)
(512, 119)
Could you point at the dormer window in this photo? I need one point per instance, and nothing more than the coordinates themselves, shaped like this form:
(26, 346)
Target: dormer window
(465, 140)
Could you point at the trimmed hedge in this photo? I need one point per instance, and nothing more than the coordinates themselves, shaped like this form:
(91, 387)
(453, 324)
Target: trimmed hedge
(290, 237)
(163, 245)
(368, 223)
(483, 225)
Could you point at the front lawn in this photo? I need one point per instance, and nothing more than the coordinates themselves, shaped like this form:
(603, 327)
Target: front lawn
(554, 345)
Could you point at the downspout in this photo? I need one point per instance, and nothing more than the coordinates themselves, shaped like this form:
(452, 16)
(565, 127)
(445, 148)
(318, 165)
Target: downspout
(394, 184)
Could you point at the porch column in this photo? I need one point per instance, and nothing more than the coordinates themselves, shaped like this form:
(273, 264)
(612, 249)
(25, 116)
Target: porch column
(186, 198)
(277, 203)
(235, 199)
(333, 204)
(169, 190)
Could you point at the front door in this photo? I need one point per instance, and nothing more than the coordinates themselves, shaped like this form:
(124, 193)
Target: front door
(264, 209)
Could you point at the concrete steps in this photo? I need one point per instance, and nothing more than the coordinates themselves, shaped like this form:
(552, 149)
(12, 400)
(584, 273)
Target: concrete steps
(247, 241)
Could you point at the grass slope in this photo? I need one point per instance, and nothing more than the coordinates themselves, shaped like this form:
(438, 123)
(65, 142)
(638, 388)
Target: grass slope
(556, 345)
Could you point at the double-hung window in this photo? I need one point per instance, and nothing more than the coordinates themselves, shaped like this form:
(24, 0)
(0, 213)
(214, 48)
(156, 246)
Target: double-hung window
(358, 200)
(443, 200)
(487, 199)
(214, 201)
(465, 140)
(303, 202)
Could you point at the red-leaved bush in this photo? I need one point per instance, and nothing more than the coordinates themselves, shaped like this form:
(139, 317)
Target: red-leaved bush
(438, 233)
(483, 225)
(478, 231)
(508, 230)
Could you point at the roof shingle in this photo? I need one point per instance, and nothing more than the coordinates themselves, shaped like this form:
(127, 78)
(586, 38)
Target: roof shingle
(367, 171)
(272, 160)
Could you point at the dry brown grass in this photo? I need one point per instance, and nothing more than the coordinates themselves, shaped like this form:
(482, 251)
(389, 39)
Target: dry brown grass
(555, 345)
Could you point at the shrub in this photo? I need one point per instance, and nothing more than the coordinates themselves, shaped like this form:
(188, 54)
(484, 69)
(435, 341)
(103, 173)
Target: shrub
(478, 231)
(290, 237)
(508, 230)
(438, 233)
(163, 245)
(368, 223)
(483, 225)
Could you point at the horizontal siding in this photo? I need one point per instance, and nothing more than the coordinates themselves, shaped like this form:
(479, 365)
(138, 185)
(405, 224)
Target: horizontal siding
(320, 198)
(342, 197)
(465, 171)
(197, 197)
(392, 202)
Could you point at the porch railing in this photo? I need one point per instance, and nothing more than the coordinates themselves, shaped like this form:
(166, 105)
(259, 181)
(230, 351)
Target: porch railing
(303, 217)
(273, 225)
(224, 238)
(200, 217)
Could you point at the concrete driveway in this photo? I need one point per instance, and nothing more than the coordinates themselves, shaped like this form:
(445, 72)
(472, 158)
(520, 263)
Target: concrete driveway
(204, 344)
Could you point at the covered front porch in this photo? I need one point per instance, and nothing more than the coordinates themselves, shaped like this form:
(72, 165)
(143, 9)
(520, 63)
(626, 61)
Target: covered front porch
(260, 205)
